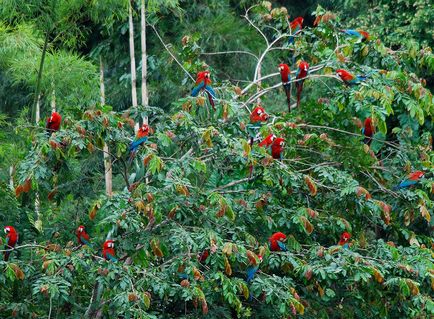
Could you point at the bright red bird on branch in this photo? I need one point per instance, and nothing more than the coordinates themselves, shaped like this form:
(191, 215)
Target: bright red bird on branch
(11, 241)
(296, 25)
(82, 236)
(108, 250)
(268, 141)
(277, 148)
(276, 242)
(53, 123)
(203, 83)
(302, 72)
(285, 75)
(368, 130)
(345, 237)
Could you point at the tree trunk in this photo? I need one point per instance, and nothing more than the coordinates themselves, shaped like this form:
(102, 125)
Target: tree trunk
(107, 159)
(53, 99)
(11, 176)
(36, 105)
(38, 110)
(133, 59)
(145, 97)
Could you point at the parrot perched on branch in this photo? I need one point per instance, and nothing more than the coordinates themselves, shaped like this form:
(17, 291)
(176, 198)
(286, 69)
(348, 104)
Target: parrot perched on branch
(285, 75)
(253, 269)
(257, 118)
(368, 130)
(296, 25)
(345, 237)
(276, 242)
(108, 250)
(203, 83)
(277, 148)
(141, 137)
(360, 34)
(11, 241)
(348, 78)
(268, 141)
(53, 123)
(411, 179)
(82, 236)
(302, 72)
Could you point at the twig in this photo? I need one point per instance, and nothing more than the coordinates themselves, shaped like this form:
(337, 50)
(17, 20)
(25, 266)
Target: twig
(230, 52)
(240, 181)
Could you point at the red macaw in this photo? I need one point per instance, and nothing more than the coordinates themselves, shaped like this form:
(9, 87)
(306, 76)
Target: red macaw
(276, 242)
(108, 250)
(53, 123)
(345, 237)
(252, 269)
(277, 148)
(82, 236)
(348, 78)
(203, 256)
(362, 35)
(411, 179)
(203, 82)
(368, 130)
(11, 241)
(303, 70)
(285, 75)
(268, 141)
(141, 137)
(296, 27)
(257, 118)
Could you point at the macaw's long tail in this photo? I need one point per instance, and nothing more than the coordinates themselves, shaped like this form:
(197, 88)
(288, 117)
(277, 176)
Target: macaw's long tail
(211, 95)
(287, 88)
(299, 90)
(211, 100)
(6, 255)
(404, 184)
(367, 141)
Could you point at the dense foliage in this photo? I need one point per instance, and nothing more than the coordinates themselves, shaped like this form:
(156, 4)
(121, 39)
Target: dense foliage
(197, 185)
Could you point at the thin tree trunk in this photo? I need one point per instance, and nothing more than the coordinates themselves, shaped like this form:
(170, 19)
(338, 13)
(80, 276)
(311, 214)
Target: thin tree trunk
(107, 160)
(38, 110)
(259, 83)
(53, 99)
(145, 97)
(11, 176)
(38, 82)
(133, 59)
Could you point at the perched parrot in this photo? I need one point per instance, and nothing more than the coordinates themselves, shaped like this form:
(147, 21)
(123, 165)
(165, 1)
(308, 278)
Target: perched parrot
(345, 237)
(296, 27)
(268, 141)
(360, 34)
(276, 242)
(285, 75)
(257, 118)
(82, 236)
(141, 137)
(277, 148)
(368, 130)
(348, 78)
(252, 270)
(203, 256)
(411, 179)
(108, 250)
(203, 82)
(53, 123)
(303, 70)
(11, 241)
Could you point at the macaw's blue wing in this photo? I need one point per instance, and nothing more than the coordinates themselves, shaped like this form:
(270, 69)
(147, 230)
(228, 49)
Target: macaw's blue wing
(197, 88)
(404, 184)
(251, 271)
(111, 258)
(279, 243)
(346, 246)
(211, 91)
(183, 276)
(361, 78)
(136, 143)
(86, 242)
(352, 33)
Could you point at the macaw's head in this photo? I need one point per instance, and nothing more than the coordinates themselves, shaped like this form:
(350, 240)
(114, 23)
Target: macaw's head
(109, 244)
(278, 143)
(80, 229)
(270, 138)
(284, 68)
(364, 34)
(297, 21)
(417, 175)
(342, 73)
(260, 258)
(345, 236)
(55, 118)
(144, 130)
(258, 115)
(279, 236)
(203, 75)
(303, 66)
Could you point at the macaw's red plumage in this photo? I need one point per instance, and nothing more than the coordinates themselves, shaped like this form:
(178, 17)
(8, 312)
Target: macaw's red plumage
(415, 176)
(296, 25)
(276, 242)
(141, 137)
(258, 115)
(285, 75)
(53, 123)
(268, 141)
(11, 241)
(349, 78)
(203, 256)
(108, 250)
(303, 70)
(360, 34)
(412, 179)
(203, 83)
(277, 148)
(82, 236)
(368, 130)
(345, 237)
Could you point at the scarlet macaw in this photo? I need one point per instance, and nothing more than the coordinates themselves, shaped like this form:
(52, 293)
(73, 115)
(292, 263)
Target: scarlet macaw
(141, 137)
(276, 242)
(257, 118)
(277, 148)
(108, 250)
(203, 82)
(296, 27)
(368, 130)
(11, 241)
(82, 236)
(348, 78)
(303, 70)
(253, 269)
(411, 179)
(268, 141)
(53, 123)
(203, 256)
(285, 75)
(362, 35)
(345, 237)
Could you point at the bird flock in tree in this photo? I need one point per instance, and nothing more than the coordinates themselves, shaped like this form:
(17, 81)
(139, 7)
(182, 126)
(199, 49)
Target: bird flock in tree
(258, 118)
